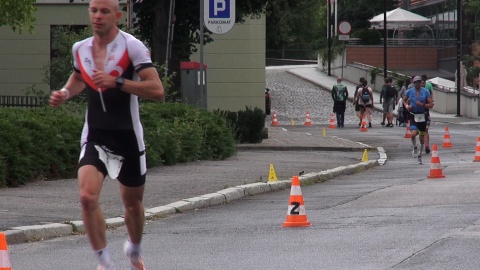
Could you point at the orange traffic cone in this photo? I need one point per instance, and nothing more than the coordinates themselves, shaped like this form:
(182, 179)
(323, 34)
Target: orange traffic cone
(477, 151)
(446, 139)
(363, 127)
(407, 132)
(308, 121)
(274, 119)
(435, 166)
(5, 263)
(296, 215)
(332, 121)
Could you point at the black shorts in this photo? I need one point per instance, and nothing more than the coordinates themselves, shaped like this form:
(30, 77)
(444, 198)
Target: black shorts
(420, 126)
(118, 142)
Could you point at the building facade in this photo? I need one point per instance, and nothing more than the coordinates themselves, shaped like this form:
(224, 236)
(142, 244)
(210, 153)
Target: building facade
(235, 60)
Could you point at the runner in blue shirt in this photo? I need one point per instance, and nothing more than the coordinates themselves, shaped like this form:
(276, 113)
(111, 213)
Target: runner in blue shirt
(417, 101)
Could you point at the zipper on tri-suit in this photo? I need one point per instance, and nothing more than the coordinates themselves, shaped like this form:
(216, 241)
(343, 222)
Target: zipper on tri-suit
(101, 99)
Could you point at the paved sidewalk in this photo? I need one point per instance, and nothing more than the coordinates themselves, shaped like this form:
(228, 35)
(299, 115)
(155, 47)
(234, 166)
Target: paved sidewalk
(280, 139)
(320, 78)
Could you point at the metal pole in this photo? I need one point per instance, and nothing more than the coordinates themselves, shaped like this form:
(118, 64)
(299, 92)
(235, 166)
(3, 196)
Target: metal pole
(169, 36)
(343, 55)
(129, 14)
(202, 6)
(335, 22)
(329, 11)
(385, 33)
(459, 53)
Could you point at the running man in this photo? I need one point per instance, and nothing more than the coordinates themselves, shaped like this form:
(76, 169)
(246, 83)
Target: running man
(115, 69)
(418, 99)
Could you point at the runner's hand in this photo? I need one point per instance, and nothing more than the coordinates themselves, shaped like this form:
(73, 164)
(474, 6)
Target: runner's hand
(103, 80)
(57, 98)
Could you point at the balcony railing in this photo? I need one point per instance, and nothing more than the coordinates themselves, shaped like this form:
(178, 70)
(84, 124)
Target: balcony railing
(408, 42)
(21, 101)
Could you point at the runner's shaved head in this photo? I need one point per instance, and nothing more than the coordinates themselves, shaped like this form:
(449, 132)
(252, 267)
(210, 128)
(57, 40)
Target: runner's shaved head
(113, 3)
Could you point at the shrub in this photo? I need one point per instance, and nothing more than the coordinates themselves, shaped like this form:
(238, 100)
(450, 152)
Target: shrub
(185, 133)
(43, 143)
(369, 36)
(37, 143)
(247, 125)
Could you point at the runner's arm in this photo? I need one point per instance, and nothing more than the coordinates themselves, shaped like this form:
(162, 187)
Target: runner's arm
(429, 103)
(73, 87)
(150, 86)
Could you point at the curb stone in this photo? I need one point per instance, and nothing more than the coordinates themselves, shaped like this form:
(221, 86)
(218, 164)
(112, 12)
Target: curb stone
(48, 231)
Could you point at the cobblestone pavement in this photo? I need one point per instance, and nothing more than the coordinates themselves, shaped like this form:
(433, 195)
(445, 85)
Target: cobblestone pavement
(293, 97)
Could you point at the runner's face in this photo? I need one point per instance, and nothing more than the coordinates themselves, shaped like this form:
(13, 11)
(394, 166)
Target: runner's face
(417, 84)
(103, 16)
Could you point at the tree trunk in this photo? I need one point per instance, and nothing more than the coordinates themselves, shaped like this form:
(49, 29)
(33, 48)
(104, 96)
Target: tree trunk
(160, 31)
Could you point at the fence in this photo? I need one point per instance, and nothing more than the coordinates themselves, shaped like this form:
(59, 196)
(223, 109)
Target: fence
(408, 42)
(21, 101)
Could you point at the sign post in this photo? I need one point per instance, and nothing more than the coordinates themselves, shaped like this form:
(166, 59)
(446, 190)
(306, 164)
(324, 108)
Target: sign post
(219, 15)
(344, 30)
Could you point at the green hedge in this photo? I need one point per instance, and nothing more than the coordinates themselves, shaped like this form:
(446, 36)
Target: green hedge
(247, 125)
(38, 143)
(180, 133)
(43, 143)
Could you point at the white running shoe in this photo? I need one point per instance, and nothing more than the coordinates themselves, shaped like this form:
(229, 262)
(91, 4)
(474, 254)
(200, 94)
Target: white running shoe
(420, 160)
(136, 263)
(414, 152)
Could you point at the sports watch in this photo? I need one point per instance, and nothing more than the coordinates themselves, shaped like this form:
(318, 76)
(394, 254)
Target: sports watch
(119, 81)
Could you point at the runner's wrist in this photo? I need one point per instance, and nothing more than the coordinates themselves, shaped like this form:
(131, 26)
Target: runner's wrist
(66, 91)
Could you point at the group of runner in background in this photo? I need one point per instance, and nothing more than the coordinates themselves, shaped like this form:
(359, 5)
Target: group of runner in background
(414, 100)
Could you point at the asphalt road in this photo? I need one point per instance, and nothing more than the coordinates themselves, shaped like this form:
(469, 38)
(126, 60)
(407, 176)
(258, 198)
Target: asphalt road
(388, 217)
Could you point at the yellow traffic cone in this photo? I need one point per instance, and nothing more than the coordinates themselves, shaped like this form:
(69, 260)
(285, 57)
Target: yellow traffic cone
(365, 156)
(272, 176)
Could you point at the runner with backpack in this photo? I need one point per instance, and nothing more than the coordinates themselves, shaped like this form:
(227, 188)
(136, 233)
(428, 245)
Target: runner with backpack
(355, 101)
(365, 101)
(339, 96)
(389, 96)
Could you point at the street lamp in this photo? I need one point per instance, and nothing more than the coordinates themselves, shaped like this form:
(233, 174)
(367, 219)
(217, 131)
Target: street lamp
(329, 34)
(459, 53)
(385, 36)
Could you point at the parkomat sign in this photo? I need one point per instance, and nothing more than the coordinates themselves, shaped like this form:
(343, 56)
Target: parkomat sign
(219, 15)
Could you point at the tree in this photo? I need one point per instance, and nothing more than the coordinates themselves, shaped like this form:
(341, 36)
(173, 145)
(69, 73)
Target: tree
(294, 21)
(471, 8)
(359, 12)
(18, 14)
(152, 25)
(472, 62)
